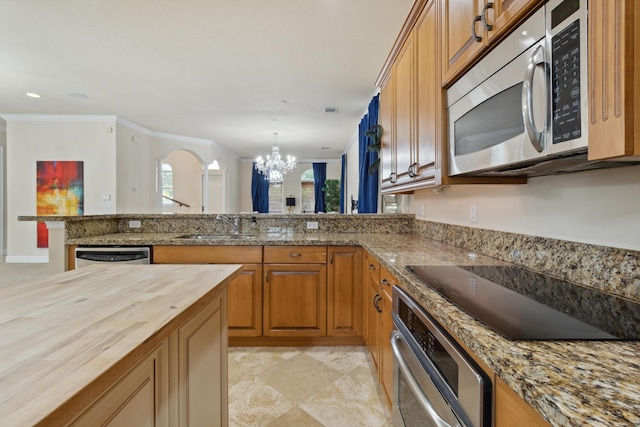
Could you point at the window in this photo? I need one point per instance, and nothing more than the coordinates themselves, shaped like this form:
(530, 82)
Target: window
(167, 184)
(215, 166)
(276, 188)
(307, 192)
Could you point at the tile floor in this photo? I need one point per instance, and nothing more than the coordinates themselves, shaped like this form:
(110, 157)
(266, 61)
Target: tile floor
(304, 386)
(285, 386)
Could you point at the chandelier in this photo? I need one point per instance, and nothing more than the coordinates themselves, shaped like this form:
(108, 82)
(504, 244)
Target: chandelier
(274, 167)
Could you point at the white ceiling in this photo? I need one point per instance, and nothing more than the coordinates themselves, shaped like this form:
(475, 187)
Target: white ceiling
(230, 71)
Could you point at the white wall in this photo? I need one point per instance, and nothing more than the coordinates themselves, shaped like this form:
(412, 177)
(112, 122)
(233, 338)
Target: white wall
(599, 207)
(291, 182)
(136, 172)
(93, 142)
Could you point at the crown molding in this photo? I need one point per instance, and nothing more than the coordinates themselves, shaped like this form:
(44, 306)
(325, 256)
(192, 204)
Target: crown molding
(57, 118)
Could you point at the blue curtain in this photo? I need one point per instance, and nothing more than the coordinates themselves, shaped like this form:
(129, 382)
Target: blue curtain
(368, 187)
(259, 191)
(319, 177)
(343, 177)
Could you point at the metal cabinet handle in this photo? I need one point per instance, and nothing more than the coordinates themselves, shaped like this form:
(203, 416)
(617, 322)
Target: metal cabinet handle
(413, 170)
(385, 282)
(473, 28)
(393, 178)
(536, 137)
(372, 267)
(486, 26)
(376, 300)
(413, 383)
(295, 255)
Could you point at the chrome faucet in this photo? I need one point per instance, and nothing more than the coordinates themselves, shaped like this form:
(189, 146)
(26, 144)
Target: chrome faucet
(233, 223)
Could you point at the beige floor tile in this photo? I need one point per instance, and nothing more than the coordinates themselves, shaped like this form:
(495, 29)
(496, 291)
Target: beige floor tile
(295, 417)
(299, 377)
(252, 403)
(248, 362)
(344, 359)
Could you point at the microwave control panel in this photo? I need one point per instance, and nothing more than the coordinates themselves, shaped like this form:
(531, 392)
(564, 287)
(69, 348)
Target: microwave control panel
(565, 80)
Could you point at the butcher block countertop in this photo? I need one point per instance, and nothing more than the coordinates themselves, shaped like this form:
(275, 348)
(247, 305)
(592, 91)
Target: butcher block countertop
(66, 338)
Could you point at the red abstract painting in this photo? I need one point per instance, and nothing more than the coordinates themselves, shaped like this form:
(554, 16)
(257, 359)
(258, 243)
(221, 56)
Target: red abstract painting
(59, 192)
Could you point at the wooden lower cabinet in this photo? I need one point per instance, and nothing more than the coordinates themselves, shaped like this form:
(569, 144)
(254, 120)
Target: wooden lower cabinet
(199, 368)
(344, 291)
(512, 410)
(133, 400)
(182, 382)
(295, 300)
(245, 291)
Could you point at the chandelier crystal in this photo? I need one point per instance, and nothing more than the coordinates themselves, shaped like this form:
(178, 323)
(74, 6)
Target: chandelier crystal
(274, 167)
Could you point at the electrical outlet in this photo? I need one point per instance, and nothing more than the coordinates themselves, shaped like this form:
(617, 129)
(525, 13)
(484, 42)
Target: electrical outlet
(422, 211)
(135, 224)
(312, 225)
(473, 213)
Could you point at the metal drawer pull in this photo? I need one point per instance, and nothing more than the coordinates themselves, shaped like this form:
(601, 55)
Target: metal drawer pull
(486, 25)
(474, 36)
(385, 282)
(372, 267)
(423, 400)
(295, 255)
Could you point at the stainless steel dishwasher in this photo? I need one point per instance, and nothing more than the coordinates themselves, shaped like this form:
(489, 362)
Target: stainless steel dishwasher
(100, 255)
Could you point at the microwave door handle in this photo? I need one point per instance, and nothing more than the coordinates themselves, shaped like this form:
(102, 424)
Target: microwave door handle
(536, 138)
(413, 383)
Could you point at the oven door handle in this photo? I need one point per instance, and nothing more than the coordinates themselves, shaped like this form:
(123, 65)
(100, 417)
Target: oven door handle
(413, 383)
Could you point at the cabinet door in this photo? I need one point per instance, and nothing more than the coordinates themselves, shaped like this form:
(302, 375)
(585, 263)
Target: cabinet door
(199, 367)
(512, 410)
(459, 47)
(504, 14)
(405, 110)
(614, 65)
(140, 398)
(245, 302)
(344, 291)
(371, 314)
(295, 300)
(386, 119)
(386, 353)
(429, 98)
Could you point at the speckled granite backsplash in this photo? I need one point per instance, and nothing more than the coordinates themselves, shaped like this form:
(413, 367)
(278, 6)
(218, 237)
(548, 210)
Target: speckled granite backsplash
(207, 224)
(608, 269)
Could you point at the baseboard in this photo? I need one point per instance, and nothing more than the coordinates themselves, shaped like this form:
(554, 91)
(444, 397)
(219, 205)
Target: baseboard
(27, 259)
(293, 341)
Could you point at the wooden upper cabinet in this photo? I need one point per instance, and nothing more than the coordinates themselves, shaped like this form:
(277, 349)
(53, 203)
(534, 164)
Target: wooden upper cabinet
(429, 95)
(385, 119)
(459, 46)
(614, 64)
(405, 73)
(472, 26)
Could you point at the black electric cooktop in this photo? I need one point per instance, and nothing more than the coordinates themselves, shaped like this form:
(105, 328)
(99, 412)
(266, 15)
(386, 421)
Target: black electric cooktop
(522, 304)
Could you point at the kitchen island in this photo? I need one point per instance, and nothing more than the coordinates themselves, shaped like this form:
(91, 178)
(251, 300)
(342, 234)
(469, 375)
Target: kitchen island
(116, 344)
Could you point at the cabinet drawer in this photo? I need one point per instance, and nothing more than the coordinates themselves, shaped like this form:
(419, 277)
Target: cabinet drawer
(295, 254)
(207, 254)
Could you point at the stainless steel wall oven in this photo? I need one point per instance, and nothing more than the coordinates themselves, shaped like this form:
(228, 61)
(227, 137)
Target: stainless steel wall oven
(435, 383)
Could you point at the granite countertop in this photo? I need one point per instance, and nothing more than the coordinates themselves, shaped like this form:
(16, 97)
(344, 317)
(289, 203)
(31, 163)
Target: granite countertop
(64, 337)
(570, 383)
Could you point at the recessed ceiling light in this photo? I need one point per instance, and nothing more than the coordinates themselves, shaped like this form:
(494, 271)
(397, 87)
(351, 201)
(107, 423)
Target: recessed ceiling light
(77, 95)
(33, 95)
(331, 110)
(326, 148)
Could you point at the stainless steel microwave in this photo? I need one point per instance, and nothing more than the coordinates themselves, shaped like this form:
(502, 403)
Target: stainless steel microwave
(526, 101)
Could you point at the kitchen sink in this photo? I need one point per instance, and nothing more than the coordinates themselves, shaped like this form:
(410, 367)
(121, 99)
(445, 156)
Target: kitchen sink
(216, 236)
